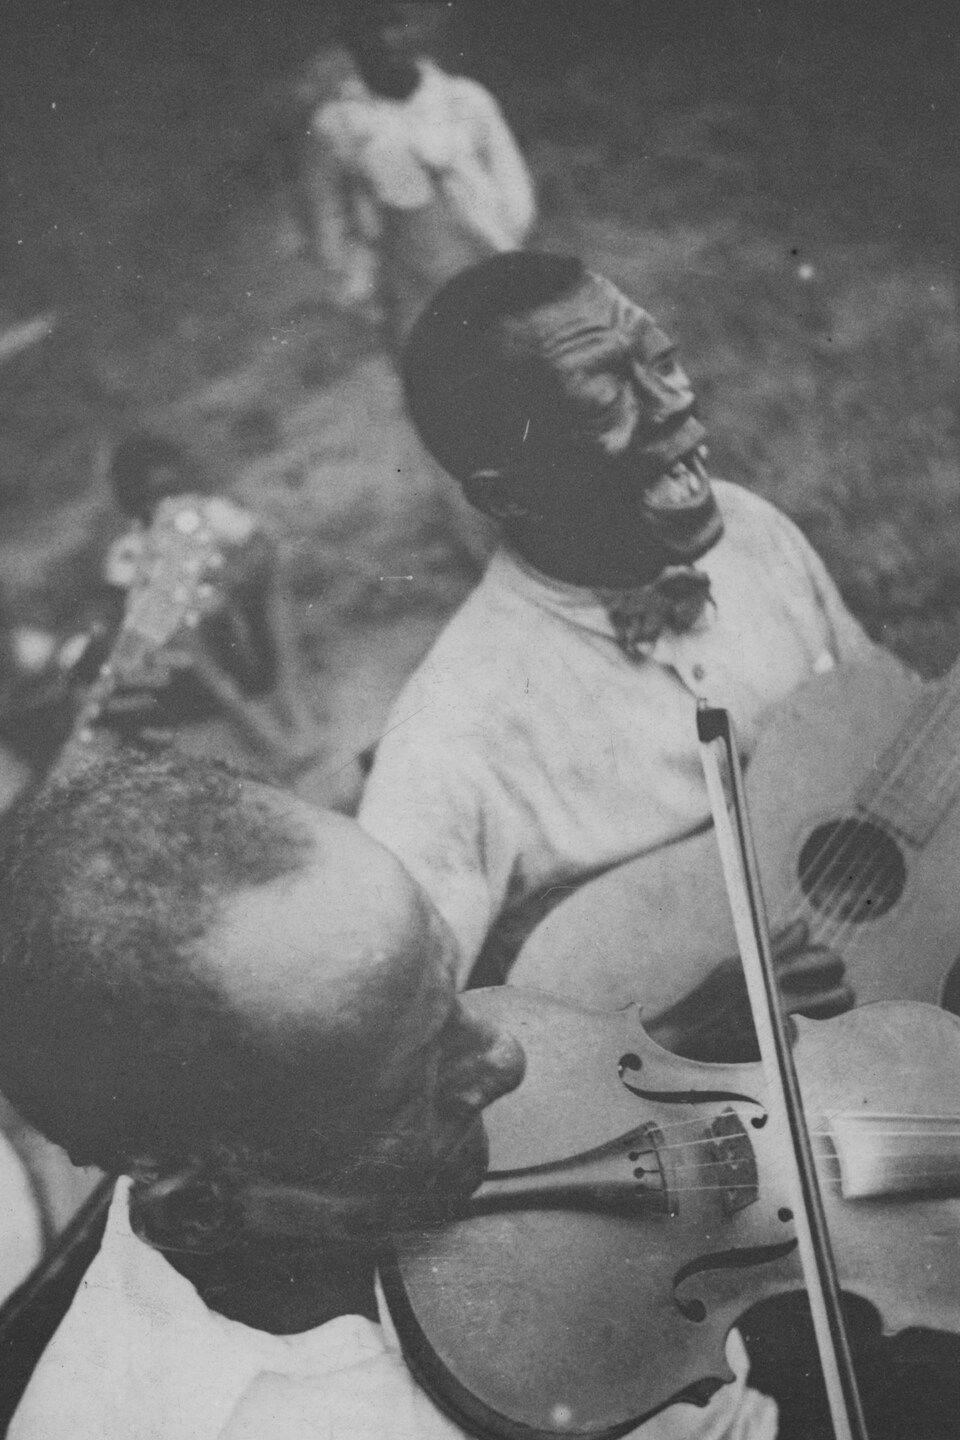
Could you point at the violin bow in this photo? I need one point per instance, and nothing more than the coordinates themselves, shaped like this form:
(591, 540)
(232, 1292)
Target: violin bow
(738, 858)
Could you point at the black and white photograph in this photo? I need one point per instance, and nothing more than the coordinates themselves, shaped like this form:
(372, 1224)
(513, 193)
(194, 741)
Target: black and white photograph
(479, 608)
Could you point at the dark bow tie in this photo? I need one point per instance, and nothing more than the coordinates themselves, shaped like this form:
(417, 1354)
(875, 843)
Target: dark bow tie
(674, 601)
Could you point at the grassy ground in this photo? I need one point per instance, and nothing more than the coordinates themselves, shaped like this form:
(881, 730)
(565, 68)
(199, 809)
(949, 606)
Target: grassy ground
(783, 199)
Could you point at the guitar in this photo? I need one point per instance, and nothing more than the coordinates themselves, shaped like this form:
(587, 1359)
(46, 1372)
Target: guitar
(853, 793)
(170, 592)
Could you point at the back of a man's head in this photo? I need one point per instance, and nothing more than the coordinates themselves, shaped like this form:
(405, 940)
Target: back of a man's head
(386, 41)
(146, 468)
(113, 1041)
(470, 393)
(363, 21)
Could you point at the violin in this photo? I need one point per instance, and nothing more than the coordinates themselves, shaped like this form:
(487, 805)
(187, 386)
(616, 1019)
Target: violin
(636, 1205)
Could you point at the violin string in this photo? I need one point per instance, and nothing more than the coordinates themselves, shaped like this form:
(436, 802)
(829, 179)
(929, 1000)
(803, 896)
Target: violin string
(715, 1185)
(820, 1118)
(881, 1150)
(820, 1123)
(708, 1140)
(816, 1131)
(719, 1185)
(934, 1176)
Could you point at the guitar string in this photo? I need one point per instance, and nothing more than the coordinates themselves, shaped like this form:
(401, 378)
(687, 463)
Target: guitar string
(844, 853)
(916, 742)
(938, 713)
(831, 930)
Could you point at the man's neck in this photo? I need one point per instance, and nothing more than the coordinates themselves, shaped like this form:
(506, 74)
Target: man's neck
(283, 1287)
(391, 82)
(589, 567)
(601, 556)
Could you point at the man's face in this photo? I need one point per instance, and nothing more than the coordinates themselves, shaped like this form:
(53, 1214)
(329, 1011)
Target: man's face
(348, 950)
(622, 444)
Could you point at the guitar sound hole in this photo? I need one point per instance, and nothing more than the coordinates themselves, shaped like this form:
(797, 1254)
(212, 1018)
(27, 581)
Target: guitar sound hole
(852, 869)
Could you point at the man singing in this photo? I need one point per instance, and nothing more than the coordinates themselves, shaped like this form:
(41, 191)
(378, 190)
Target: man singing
(550, 733)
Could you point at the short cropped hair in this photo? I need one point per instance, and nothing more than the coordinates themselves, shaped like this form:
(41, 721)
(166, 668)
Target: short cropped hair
(114, 1041)
(469, 397)
(136, 460)
(363, 18)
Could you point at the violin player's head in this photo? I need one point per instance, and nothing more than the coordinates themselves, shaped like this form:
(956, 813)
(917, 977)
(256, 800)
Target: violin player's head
(212, 986)
(564, 412)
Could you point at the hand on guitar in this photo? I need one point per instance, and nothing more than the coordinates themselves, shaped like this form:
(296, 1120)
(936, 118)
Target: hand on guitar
(713, 1022)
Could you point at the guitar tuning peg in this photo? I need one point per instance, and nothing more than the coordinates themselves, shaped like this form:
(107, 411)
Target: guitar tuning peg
(187, 521)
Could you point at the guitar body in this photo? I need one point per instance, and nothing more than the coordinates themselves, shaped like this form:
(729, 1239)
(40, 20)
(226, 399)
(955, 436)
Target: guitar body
(666, 916)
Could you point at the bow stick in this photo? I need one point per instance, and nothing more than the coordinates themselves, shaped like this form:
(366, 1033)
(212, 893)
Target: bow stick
(740, 872)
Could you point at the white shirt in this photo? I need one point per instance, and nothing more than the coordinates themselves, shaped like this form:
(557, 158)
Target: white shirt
(432, 183)
(140, 1357)
(528, 751)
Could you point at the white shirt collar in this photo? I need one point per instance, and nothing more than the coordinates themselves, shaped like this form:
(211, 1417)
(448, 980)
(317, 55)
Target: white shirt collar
(576, 604)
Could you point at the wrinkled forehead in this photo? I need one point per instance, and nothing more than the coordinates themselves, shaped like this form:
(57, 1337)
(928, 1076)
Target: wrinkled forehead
(590, 325)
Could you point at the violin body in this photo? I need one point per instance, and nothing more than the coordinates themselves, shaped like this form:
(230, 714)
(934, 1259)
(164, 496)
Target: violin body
(635, 1206)
(858, 773)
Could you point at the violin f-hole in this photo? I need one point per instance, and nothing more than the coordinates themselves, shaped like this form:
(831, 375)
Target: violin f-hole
(682, 1097)
(747, 1258)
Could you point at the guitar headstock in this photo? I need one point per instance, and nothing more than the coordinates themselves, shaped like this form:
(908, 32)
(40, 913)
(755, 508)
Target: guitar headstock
(174, 581)
(174, 585)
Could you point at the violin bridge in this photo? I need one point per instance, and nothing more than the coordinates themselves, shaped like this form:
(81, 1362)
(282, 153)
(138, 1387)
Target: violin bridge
(735, 1163)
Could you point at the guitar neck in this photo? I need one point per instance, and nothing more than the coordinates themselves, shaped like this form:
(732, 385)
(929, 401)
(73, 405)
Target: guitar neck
(130, 652)
(168, 595)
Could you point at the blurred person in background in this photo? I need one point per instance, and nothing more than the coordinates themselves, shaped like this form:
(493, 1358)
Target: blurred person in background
(421, 176)
(208, 571)
(400, 175)
(42, 671)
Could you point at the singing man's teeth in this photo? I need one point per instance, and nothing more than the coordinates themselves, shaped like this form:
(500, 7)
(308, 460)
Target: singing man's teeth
(677, 486)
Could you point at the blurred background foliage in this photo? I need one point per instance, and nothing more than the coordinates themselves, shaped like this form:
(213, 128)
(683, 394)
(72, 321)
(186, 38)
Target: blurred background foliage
(778, 182)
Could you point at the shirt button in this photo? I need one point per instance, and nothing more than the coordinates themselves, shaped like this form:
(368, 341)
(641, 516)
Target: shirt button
(698, 672)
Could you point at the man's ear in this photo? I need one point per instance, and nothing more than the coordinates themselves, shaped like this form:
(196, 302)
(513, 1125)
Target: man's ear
(193, 1210)
(493, 492)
